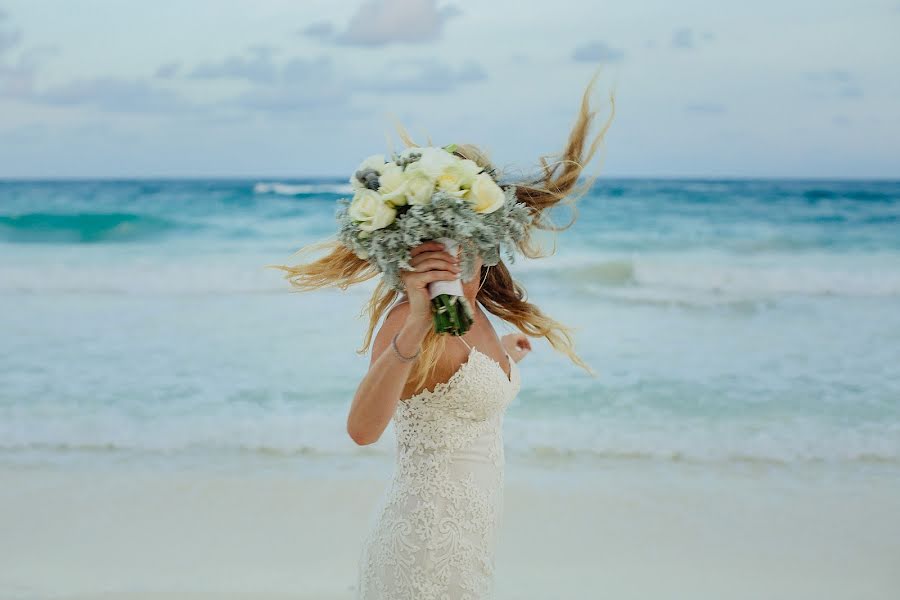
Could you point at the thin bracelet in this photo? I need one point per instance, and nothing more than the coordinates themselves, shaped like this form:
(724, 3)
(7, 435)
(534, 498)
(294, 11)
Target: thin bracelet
(397, 351)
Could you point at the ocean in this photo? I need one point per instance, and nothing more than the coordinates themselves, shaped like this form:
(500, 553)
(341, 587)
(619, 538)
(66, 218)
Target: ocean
(730, 323)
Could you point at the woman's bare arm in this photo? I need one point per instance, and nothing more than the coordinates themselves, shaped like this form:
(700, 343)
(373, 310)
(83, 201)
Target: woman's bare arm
(379, 391)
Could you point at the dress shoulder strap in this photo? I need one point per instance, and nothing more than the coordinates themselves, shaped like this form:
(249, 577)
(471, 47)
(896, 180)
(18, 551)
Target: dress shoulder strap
(464, 342)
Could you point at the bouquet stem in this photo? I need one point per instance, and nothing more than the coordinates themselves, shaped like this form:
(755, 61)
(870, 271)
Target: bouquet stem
(451, 310)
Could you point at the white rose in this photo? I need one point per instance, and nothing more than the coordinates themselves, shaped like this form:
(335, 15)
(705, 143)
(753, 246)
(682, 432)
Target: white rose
(485, 195)
(470, 170)
(458, 177)
(433, 162)
(419, 187)
(370, 211)
(392, 184)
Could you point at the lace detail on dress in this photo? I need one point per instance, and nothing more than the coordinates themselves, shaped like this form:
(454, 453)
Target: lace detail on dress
(433, 535)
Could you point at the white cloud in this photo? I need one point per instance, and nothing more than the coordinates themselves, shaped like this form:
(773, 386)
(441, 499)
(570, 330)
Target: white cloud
(598, 52)
(686, 38)
(422, 76)
(168, 70)
(258, 68)
(321, 29)
(382, 22)
(114, 95)
(836, 82)
(17, 74)
(9, 40)
(683, 38)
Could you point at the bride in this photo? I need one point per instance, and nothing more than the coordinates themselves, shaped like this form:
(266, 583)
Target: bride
(433, 534)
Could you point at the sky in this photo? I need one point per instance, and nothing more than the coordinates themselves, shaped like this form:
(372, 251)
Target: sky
(301, 88)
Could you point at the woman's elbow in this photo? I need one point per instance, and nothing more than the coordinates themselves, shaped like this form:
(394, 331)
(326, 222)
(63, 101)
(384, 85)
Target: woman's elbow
(360, 435)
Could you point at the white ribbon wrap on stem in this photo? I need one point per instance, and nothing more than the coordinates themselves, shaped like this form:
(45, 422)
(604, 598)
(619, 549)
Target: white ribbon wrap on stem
(454, 287)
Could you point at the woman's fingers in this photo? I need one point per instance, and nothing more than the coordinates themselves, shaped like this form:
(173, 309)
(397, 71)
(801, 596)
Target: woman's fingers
(431, 254)
(420, 280)
(435, 263)
(427, 247)
(437, 275)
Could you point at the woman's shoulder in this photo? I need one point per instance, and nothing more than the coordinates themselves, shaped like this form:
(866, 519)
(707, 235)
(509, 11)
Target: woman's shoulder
(398, 309)
(394, 318)
(392, 322)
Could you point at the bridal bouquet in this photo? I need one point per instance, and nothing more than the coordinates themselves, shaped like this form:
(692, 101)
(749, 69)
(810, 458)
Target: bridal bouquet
(430, 193)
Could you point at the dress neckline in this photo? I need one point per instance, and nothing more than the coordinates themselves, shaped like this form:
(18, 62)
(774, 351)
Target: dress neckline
(509, 359)
(442, 385)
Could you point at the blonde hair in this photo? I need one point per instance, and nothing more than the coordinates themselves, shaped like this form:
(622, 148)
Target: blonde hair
(500, 294)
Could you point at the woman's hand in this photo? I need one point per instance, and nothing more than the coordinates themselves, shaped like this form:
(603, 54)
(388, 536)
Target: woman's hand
(431, 262)
(517, 344)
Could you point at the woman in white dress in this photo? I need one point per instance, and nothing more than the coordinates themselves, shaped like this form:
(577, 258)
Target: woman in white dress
(434, 532)
(433, 535)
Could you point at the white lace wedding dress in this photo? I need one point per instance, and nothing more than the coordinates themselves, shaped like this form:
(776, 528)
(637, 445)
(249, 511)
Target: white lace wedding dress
(433, 534)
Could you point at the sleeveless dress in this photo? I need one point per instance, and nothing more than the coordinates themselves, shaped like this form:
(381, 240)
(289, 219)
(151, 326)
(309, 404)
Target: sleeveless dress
(433, 535)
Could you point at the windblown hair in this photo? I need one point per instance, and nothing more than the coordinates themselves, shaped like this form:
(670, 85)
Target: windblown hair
(556, 184)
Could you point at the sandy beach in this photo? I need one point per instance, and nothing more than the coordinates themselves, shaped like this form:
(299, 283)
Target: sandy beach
(610, 532)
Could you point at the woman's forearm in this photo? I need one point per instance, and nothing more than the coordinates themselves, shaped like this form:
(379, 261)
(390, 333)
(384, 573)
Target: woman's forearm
(379, 392)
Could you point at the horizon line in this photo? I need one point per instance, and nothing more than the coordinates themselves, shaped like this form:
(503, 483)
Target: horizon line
(343, 178)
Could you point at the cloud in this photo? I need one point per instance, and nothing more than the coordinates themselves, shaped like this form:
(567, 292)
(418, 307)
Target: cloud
(322, 29)
(168, 70)
(308, 71)
(17, 75)
(683, 38)
(299, 84)
(114, 95)
(9, 39)
(58, 134)
(837, 82)
(314, 84)
(258, 68)
(17, 79)
(422, 76)
(597, 52)
(850, 91)
(686, 39)
(830, 75)
(383, 22)
(292, 98)
(705, 109)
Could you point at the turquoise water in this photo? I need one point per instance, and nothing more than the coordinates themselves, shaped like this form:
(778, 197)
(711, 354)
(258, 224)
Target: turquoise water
(730, 322)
